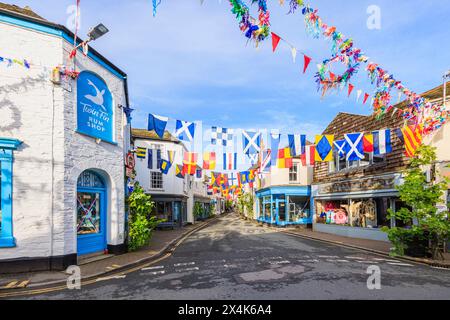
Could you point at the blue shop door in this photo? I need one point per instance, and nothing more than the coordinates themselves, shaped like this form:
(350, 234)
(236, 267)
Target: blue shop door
(91, 217)
(177, 213)
(281, 211)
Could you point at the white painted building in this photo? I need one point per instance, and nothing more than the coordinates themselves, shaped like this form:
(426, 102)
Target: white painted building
(62, 148)
(174, 197)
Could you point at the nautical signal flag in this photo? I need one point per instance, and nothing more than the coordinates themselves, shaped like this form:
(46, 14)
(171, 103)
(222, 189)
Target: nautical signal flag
(368, 143)
(251, 142)
(382, 142)
(141, 153)
(340, 146)
(354, 147)
(209, 160)
(284, 158)
(185, 130)
(157, 124)
(199, 173)
(190, 163)
(266, 161)
(179, 171)
(229, 161)
(412, 135)
(324, 148)
(308, 158)
(150, 161)
(165, 166)
(297, 144)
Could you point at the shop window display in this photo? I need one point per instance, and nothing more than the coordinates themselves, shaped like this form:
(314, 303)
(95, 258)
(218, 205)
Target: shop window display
(355, 213)
(299, 208)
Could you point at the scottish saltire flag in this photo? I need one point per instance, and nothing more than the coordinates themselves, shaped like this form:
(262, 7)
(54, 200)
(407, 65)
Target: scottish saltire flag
(157, 124)
(222, 136)
(284, 158)
(179, 173)
(266, 162)
(209, 160)
(165, 166)
(382, 142)
(185, 130)
(229, 161)
(340, 147)
(251, 141)
(308, 158)
(354, 147)
(324, 148)
(253, 158)
(275, 138)
(141, 153)
(297, 144)
(368, 143)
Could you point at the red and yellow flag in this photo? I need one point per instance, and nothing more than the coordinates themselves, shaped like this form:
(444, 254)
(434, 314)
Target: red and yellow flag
(190, 163)
(368, 143)
(285, 158)
(413, 139)
(209, 160)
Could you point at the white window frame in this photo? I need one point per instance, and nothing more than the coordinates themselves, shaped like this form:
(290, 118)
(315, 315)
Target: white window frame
(156, 178)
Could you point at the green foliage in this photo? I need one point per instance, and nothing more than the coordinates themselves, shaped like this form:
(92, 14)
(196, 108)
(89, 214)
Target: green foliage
(141, 223)
(198, 210)
(245, 204)
(422, 196)
(211, 210)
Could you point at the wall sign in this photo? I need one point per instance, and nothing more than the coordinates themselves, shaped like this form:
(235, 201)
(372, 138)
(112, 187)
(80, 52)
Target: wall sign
(358, 185)
(95, 110)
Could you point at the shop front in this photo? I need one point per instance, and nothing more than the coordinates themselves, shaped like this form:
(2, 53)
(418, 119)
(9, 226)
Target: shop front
(356, 208)
(284, 206)
(173, 210)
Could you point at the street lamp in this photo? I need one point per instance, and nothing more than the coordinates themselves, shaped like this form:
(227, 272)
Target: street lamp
(97, 32)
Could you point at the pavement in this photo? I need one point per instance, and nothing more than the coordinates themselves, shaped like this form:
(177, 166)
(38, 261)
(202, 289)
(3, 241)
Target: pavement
(103, 265)
(235, 259)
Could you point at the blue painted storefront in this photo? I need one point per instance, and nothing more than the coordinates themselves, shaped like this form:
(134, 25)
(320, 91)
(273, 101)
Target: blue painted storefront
(275, 204)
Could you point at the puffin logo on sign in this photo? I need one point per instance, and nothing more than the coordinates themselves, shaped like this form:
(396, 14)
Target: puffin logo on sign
(95, 115)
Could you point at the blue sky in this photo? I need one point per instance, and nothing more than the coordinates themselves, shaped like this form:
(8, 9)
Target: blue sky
(192, 62)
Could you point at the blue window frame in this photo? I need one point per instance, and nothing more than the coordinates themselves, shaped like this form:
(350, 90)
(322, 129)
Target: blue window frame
(7, 146)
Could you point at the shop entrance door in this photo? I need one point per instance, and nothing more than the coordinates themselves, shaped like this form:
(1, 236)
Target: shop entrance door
(281, 210)
(91, 214)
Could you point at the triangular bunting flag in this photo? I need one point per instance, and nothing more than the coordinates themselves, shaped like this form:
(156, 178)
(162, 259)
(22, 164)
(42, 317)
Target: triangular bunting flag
(275, 41)
(307, 61)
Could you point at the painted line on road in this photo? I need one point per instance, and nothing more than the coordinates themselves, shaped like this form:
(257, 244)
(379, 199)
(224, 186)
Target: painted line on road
(400, 264)
(152, 268)
(188, 269)
(354, 258)
(184, 264)
(111, 278)
(280, 262)
(155, 273)
(328, 257)
(17, 284)
(337, 260)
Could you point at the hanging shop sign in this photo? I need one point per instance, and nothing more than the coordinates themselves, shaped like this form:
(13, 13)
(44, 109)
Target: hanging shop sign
(95, 112)
(130, 164)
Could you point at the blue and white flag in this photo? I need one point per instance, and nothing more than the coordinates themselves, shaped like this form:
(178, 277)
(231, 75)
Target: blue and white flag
(382, 142)
(275, 138)
(185, 130)
(354, 146)
(253, 158)
(340, 146)
(266, 162)
(230, 161)
(222, 136)
(297, 144)
(152, 153)
(157, 124)
(251, 142)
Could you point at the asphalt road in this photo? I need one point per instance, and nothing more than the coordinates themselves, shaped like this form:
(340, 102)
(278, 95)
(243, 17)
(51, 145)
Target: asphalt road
(233, 259)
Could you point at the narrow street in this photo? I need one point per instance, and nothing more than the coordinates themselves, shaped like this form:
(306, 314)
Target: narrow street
(234, 259)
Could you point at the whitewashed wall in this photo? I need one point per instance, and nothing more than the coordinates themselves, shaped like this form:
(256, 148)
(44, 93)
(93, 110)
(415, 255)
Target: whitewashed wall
(47, 165)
